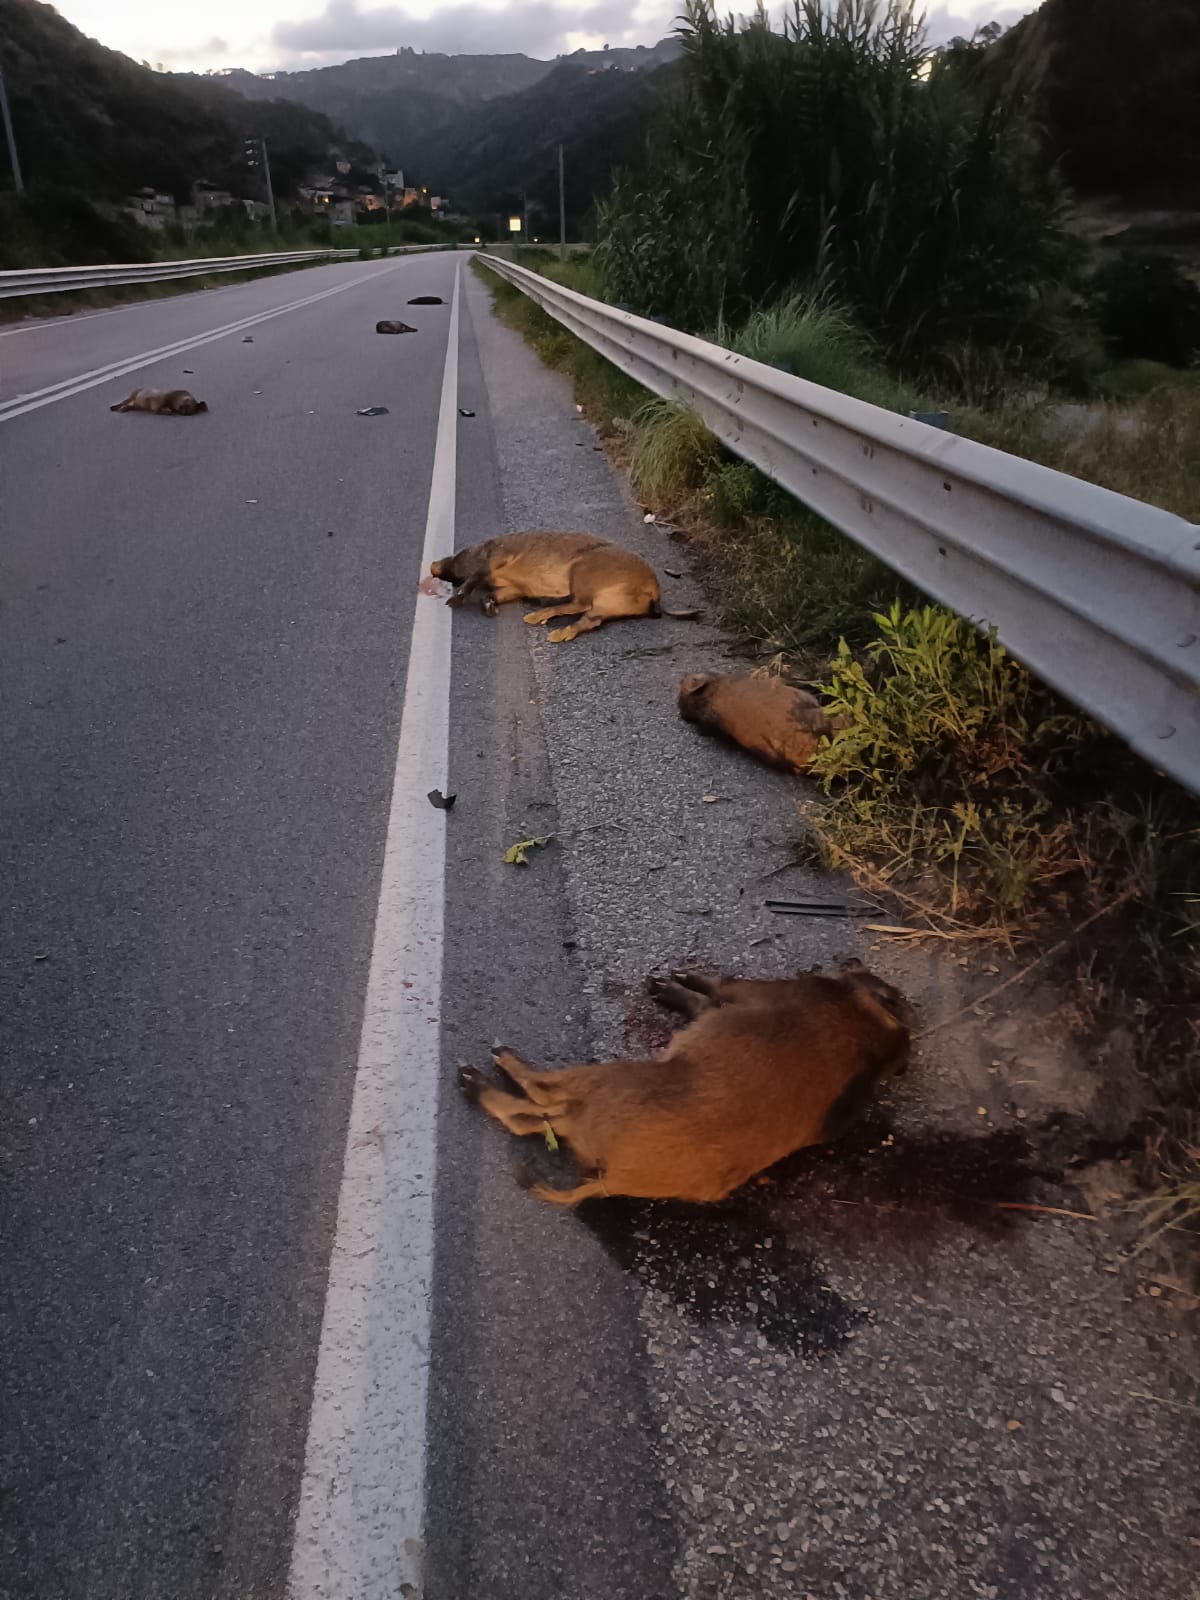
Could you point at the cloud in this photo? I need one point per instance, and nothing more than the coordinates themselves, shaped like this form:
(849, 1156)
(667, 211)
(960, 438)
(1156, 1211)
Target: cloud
(540, 28)
(946, 22)
(536, 28)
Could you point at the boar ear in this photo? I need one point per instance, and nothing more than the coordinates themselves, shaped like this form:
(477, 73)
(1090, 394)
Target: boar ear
(695, 682)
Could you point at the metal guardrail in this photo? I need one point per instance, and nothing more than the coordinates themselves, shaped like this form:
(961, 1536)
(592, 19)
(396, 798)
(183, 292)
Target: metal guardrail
(52, 280)
(1096, 593)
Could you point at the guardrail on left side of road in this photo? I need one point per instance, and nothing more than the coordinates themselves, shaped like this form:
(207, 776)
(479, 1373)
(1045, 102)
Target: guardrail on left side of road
(54, 280)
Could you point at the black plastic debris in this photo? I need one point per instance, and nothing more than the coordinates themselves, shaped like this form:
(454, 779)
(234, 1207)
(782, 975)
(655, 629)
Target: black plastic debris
(393, 327)
(246, 339)
(372, 411)
(463, 412)
(817, 908)
(427, 300)
(443, 802)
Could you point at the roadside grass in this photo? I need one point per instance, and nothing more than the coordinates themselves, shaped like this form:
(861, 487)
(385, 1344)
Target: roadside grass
(1147, 447)
(960, 786)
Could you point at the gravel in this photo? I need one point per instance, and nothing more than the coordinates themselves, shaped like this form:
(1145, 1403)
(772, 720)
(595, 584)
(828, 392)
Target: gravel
(835, 1358)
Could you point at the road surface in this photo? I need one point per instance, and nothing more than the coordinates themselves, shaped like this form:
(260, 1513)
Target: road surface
(275, 1319)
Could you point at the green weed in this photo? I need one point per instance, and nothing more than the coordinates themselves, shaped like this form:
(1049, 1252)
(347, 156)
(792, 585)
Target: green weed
(673, 453)
(941, 765)
(811, 337)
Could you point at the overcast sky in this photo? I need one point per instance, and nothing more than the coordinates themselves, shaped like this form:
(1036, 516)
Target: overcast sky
(265, 35)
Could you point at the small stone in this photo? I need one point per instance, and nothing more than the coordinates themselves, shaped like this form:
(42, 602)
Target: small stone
(1058, 1397)
(1012, 1426)
(782, 1532)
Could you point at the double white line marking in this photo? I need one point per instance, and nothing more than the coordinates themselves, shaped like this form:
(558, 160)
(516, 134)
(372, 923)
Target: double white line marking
(117, 369)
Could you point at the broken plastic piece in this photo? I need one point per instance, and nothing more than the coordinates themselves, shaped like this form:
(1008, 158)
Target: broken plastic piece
(372, 411)
(816, 908)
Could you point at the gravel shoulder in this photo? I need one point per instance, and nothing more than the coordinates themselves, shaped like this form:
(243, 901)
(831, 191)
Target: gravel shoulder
(870, 1375)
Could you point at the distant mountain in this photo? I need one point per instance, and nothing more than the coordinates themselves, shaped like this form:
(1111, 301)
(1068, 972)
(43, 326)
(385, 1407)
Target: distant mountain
(431, 114)
(92, 119)
(508, 149)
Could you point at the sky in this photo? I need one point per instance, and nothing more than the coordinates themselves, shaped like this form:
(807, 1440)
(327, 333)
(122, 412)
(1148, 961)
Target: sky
(273, 35)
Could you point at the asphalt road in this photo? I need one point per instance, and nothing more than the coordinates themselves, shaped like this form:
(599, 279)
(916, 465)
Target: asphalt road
(204, 634)
(207, 632)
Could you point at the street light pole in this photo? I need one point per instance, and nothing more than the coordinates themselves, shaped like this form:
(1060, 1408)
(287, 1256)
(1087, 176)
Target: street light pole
(18, 180)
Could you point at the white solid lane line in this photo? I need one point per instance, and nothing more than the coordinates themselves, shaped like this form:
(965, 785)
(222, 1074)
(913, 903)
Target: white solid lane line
(63, 390)
(360, 1525)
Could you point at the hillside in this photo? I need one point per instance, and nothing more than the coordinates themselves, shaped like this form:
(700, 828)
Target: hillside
(431, 114)
(1121, 99)
(493, 156)
(92, 119)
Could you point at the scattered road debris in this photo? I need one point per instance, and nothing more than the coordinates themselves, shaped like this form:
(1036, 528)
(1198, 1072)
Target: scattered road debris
(427, 300)
(463, 412)
(817, 908)
(393, 327)
(517, 855)
(372, 411)
(443, 802)
(247, 339)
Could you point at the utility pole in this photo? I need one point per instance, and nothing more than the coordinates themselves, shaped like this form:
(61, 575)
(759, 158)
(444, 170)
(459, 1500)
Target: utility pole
(18, 180)
(525, 214)
(256, 151)
(270, 191)
(562, 209)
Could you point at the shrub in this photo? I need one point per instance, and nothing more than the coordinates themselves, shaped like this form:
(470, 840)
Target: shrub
(843, 155)
(943, 760)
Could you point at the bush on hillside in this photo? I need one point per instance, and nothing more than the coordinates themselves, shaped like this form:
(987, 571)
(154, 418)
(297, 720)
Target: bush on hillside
(1150, 309)
(51, 225)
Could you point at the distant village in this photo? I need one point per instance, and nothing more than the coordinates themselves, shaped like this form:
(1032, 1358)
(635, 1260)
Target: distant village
(324, 194)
